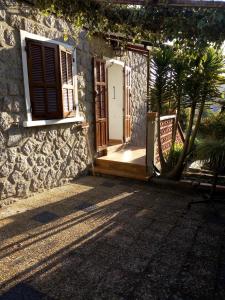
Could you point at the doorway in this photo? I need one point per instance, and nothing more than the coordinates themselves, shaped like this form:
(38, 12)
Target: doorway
(119, 102)
(112, 102)
(112, 92)
(115, 102)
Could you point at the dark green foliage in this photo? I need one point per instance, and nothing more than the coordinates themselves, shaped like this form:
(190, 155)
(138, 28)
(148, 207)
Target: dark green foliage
(213, 127)
(212, 151)
(204, 76)
(155, 24)
(184, 79)
(180, 71)
(160, 69)
(211, 148)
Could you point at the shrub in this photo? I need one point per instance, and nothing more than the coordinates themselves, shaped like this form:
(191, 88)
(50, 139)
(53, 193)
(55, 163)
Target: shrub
(213, 126)
(173, 156)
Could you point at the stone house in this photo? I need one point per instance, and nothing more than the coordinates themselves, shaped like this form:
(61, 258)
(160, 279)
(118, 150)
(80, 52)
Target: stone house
(50, 89)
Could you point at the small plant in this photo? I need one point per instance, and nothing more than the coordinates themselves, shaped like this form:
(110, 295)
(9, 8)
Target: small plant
(173, 156)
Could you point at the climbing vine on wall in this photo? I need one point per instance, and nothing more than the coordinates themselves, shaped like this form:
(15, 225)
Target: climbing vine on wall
(155, 24)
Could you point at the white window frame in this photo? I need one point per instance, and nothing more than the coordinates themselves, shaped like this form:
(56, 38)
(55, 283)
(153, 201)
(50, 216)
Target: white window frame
(29, 122)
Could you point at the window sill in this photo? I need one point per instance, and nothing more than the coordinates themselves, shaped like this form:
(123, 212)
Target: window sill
(52, 122)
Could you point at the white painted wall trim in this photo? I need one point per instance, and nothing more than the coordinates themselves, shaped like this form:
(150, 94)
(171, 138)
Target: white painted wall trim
(29, 122)
(167, 117)
(52, 122)
(111, 61)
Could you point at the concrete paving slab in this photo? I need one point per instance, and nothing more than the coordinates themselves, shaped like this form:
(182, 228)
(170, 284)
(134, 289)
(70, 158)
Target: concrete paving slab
(99, 239)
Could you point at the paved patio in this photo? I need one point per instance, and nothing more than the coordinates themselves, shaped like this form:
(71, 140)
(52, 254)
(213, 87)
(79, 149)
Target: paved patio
(101, 238)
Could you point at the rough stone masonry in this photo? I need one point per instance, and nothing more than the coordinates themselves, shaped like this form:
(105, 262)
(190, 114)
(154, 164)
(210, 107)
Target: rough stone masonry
(39, 158)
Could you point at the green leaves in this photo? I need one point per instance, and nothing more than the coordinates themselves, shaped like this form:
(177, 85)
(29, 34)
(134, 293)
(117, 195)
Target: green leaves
(160, 76)
(182, 77)
(194, 26)
(213, 126)
(212, 151)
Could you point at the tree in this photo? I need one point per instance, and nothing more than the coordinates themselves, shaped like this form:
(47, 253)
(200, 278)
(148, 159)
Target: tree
(160, 70)
(193, 84)
(179, 75)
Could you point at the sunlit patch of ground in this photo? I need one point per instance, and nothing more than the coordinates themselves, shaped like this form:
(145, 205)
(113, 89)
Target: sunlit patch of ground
(101, 238)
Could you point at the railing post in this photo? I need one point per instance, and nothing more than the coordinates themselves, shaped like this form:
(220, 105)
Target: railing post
(151, 141)
(148, 83)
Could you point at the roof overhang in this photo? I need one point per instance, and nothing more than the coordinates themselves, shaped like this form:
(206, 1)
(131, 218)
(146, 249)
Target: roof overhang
(172, 3)
(162, 3)
(141, 47)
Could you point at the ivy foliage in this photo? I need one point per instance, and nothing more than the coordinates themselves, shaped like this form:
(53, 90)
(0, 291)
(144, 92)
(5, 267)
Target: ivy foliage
(154, 24)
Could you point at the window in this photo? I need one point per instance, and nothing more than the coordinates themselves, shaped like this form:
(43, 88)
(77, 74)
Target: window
(50, 81)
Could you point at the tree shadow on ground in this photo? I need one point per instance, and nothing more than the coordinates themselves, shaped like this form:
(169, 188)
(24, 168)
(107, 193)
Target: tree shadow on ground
(131, 242)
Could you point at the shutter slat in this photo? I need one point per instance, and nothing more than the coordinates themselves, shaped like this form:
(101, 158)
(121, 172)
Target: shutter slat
(70, 100)
(65, 100)
(51, 100)
(39, 100)
(66, 59)
(98, 71)
(36, 64)
(64, 68)
(50, 71)
(44, 80)
(70, 68)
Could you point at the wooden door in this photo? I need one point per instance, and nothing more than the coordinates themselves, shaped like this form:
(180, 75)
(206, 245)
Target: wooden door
(100, 102)
(127, 104)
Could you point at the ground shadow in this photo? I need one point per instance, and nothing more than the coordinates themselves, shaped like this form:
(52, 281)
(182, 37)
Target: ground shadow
(130, 241)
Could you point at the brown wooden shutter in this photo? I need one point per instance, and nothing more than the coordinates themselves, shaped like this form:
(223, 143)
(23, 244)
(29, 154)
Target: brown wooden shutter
(44, 80)
(100, 100)
(66, 62)
(127, 104)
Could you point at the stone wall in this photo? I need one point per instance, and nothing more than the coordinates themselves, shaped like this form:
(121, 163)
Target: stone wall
(34, 159)
(138, 64)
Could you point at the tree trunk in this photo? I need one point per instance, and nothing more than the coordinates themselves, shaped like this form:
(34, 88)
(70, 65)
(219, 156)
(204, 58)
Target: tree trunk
(178, 169)
(161, 156)
(195, 131)
(159, 144)
(174, 133)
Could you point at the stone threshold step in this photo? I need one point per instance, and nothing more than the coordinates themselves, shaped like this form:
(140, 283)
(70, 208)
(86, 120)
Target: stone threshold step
(118, 173)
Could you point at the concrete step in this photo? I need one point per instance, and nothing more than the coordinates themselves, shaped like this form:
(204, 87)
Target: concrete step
(119, 173)
(120, 166)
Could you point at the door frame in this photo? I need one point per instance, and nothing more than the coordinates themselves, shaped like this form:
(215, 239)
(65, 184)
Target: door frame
(110, 61)
(126, 110)
(100, 150)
